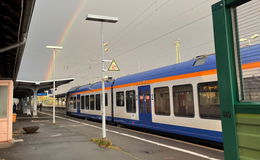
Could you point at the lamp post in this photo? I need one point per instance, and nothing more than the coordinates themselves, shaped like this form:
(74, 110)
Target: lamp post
(54, 48)
(99, 18)
(178, 54)
(249, 39)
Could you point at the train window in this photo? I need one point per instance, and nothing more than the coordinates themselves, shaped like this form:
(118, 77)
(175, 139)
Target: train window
(71, 102)
(251, 88)
(130, 102)
(209, 100)
(97, 101)
(92, 102)
(82, 102)
(120, 99)
(183, 100)
(162, 101)
(106, 100)
(87, 102)
(74, 102)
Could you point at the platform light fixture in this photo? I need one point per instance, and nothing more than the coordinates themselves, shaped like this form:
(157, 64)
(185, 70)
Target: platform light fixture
(254, 36)
(54, 48)
(100, 18)
(249, 38)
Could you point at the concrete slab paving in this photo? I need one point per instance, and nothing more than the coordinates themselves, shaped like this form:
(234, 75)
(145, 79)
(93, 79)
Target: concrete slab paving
(68, 140)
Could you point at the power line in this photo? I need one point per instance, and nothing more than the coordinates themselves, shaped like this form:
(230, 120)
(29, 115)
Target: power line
(161, 36)
(142, 21)
(190, 48)
(199, 45)
(189, 9)
(133, 21)
(181, 14)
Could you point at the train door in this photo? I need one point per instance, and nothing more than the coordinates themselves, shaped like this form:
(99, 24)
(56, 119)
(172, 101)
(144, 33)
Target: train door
(78, 103)
(144, 98)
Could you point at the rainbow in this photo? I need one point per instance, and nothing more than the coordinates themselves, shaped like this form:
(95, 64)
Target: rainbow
(63, 36)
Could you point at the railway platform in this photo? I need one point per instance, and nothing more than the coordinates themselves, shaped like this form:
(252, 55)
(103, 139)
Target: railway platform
(70, 138)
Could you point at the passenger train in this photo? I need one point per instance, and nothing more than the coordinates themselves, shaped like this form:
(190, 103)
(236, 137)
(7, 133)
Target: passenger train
(181, 99)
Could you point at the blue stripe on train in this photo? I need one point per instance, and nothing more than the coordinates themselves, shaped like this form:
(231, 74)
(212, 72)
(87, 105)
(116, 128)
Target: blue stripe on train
(180, 130)
(91, 116)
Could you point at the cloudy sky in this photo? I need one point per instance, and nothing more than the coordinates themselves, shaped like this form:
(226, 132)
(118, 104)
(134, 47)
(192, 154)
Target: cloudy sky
(144, 37)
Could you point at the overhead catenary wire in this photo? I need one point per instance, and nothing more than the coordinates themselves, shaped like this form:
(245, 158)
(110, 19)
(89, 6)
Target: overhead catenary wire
(199, 45)
(162, 35)
(185, 50)
(154, 39)
(133, 21)
(138, 18)
(141, 21)
(181, 14)
(165, 34)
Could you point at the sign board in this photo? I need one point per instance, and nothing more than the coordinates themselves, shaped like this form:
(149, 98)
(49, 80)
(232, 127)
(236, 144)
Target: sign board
(50, 91)
(42, 94)
(113, 66)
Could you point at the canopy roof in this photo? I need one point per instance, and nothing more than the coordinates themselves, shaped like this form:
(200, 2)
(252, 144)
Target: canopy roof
(15, 17)
(25, 88)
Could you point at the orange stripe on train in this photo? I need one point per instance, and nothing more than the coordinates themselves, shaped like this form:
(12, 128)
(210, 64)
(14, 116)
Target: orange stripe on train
(182, 76)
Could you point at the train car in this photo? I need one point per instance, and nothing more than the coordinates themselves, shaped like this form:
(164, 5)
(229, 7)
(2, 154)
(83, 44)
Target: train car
(85, 101)
(180, 99)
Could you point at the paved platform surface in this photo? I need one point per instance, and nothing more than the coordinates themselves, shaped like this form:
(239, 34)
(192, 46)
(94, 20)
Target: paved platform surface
(70, 138)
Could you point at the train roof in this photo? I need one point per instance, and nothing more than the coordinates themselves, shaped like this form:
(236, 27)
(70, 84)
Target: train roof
(248, 54)
(74, 89)
(167, 71)
(88, 87)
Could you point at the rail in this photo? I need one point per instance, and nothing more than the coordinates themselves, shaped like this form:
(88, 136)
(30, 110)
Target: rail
(58, 109)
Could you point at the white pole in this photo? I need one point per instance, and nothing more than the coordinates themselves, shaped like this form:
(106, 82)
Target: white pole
(103, 87)
(53, 112)
(178, 55)
(34, 102)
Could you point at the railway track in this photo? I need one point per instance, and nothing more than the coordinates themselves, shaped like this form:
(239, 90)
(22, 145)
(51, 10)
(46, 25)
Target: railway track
(61, 111)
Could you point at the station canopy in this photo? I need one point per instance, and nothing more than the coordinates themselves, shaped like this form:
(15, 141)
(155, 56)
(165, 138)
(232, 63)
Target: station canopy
(15, 17)
(25, 88)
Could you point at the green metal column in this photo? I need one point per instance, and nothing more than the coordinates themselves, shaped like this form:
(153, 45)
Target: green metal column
(240, 120)
(226, 77)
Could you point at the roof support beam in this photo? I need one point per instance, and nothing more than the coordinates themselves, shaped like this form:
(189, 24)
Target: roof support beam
(13, 46)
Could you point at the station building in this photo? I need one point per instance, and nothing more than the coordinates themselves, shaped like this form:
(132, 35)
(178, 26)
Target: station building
(15, 17)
